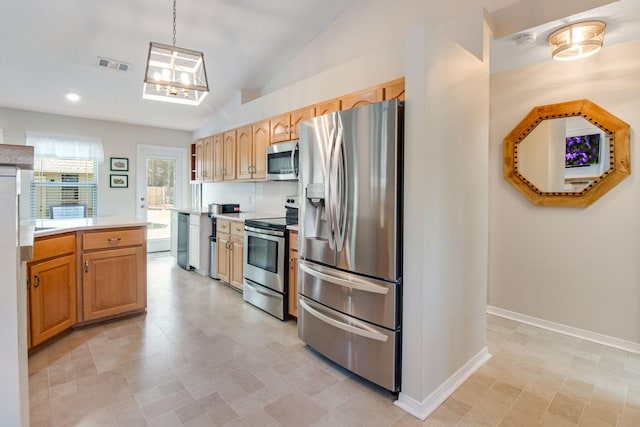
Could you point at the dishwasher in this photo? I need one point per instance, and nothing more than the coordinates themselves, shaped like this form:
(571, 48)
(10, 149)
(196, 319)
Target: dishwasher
(183, 241)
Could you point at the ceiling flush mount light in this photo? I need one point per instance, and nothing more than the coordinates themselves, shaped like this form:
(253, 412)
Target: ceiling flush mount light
(577, 40)
(175, 74)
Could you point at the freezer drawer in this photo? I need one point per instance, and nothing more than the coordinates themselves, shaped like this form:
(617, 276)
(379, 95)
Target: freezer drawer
(364, 349)
(264, 298)
(374, 301)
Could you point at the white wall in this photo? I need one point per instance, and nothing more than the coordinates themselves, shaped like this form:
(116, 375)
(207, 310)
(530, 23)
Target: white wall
(119, 140)
(577, 267)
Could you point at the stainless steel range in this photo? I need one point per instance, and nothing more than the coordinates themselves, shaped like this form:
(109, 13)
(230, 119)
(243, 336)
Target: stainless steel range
(265, 272)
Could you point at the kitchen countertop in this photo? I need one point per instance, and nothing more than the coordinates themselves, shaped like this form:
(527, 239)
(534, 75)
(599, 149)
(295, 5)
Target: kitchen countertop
(292, 227)
(192, 211)
(47, 227)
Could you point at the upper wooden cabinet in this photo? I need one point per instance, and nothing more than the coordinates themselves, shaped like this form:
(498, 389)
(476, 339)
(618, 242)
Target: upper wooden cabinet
(218, 156)
(362, 98)
(240, 154)
(327, 107)
(394, 90)
(207, 161)
(244, 151)
(251, 152)
(229, 156)
(285, 127)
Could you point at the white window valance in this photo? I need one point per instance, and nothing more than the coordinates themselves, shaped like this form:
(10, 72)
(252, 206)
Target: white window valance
(65, 147)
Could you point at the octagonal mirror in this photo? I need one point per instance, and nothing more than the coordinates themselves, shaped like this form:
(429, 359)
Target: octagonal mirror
(567, 154)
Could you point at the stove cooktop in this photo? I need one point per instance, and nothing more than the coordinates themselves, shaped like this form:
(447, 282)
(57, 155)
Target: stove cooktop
(268, 223)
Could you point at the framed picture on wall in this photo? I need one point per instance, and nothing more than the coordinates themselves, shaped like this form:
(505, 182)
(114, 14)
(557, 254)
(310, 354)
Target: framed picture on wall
(118, 181)
(119, 164)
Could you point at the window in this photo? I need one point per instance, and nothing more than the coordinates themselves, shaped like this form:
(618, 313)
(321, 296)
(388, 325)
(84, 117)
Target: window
(65, 178)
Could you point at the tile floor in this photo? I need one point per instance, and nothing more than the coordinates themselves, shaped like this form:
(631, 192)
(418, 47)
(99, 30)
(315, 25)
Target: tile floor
(202, 357)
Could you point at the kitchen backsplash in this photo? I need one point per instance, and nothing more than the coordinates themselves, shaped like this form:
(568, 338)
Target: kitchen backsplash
(263, 197)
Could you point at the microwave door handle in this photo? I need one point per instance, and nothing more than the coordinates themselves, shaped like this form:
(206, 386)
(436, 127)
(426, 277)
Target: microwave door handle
(293, 160)
(345, 327)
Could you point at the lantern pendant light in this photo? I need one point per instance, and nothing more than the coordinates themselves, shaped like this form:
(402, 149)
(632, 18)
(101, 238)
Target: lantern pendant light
(174, 74)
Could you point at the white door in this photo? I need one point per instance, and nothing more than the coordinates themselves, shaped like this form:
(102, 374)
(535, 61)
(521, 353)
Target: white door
(161, 186)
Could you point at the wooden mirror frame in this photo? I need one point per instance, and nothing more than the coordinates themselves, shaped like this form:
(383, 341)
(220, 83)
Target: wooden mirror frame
(616, 130)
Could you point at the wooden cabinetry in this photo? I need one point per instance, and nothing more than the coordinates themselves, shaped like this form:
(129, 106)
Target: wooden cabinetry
(52, 296)
(286, 127)
(230, 252)
(327, 107)
(293, 274)
(224, 156)
(207, 161)
(252, 142)
(394, 90)
(358, 99)
(113, 272)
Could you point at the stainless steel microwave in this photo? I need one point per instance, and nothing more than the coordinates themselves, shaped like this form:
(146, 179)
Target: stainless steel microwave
(282, 161)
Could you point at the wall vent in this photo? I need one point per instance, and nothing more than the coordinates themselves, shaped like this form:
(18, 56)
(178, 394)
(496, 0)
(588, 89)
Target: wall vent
(112, 64)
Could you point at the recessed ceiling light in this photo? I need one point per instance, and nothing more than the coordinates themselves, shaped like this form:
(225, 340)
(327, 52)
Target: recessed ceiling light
(73, 97)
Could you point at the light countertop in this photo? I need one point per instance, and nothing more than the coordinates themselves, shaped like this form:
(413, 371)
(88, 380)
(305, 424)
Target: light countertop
(192, 211)
(46, 227)
(241, 216)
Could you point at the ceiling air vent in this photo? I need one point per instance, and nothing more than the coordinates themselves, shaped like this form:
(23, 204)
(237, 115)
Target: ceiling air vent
(112, 64)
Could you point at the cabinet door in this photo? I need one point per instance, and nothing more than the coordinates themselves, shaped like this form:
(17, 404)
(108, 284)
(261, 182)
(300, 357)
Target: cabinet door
(207, 161)
(194, 246)
(327, 107)
(52, 297)
(236, 261)
(218, 157)
(199, 159)
(244, 139)
(300, 116)
(229, 163)
(222, 257)
(362, 98)
(280, 129)
(113, 282)
(261, 141)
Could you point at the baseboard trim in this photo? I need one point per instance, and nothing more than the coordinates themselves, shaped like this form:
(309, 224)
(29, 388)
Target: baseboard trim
(423, 409)
(609, 341)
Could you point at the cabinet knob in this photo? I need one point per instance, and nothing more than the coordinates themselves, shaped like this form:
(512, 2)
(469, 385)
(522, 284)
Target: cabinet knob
(86, 266)
(37, 281)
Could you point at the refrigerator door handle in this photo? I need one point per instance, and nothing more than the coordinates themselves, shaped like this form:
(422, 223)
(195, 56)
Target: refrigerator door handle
(328, 189)
(348, 328)
(339, 187)
(353, 283)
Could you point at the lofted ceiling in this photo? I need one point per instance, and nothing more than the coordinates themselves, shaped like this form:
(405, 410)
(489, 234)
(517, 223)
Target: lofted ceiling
(51, 48)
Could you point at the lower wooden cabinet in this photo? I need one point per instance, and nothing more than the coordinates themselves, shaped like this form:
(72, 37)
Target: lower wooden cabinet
(293, 273)
(113, 282)
(230, 252)
(52, 294)
(52, 297)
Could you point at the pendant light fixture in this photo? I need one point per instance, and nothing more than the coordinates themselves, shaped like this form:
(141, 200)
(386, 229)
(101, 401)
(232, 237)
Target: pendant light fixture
(577, 40)
(175, 74)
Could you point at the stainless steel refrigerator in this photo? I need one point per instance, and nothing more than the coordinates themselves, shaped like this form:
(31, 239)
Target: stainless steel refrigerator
(350, 231)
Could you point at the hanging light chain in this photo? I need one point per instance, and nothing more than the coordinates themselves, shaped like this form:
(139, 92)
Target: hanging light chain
(174, 23)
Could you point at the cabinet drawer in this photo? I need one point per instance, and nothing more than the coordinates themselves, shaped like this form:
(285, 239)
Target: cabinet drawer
(47, 247)
(237, 228)
(293, 240)
(112, 239)
(223, 226)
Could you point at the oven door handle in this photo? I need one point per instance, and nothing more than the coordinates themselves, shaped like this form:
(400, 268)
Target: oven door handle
(352, 283)
(345, 327)
(264, 231)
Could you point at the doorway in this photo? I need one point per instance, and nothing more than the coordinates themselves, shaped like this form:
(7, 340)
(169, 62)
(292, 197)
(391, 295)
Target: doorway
(160, 188)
